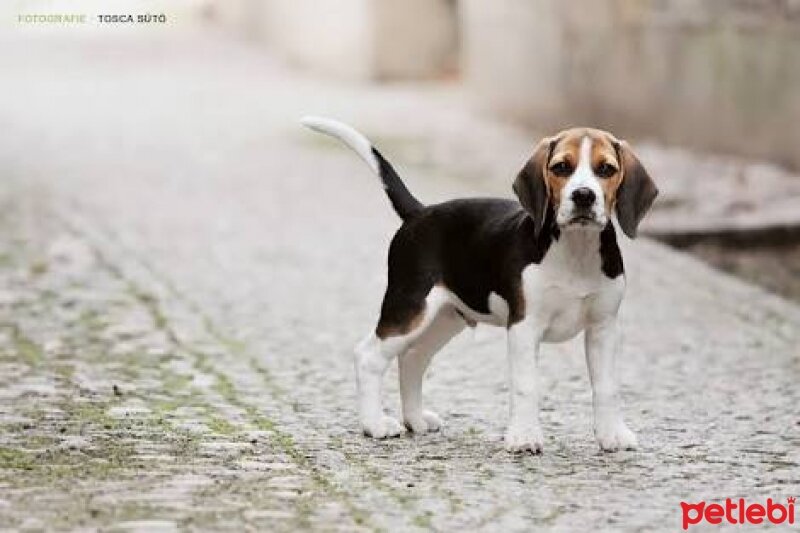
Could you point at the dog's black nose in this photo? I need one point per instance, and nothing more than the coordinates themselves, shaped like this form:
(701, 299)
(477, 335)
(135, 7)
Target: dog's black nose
(583, 197)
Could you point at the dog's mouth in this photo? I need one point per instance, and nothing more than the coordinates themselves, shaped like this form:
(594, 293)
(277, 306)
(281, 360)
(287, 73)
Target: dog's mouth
(583, 219)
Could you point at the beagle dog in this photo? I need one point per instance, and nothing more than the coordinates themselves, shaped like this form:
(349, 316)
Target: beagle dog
(545, 268)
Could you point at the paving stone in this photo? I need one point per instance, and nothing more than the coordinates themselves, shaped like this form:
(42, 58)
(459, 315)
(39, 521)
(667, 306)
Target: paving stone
(179, 237)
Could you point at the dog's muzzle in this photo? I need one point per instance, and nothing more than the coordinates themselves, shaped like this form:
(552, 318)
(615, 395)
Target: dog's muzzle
(583, 200)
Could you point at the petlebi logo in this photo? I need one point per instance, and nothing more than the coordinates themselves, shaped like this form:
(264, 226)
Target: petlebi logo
(738, 512)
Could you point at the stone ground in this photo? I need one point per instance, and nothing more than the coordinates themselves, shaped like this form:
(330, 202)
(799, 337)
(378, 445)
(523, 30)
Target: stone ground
(183, 274)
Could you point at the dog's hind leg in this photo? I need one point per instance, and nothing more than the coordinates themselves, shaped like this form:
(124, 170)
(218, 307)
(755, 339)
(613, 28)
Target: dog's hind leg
(406, 318)
(373, 356)
(414, 362)
(403, 315)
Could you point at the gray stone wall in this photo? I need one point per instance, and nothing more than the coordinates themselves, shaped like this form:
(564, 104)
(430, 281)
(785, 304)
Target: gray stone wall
(353, 39)
(716, 74)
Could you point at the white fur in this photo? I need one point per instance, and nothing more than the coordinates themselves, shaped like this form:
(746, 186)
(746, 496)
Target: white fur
(601, 344)
(415, 350)
(583, 176)
(498, 308)
(524, 431)
(347, 135)
(566, 294)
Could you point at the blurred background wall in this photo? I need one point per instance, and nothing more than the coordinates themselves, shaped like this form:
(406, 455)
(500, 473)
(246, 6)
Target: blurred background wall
(715, 74)
(358, 39)
(711, 74)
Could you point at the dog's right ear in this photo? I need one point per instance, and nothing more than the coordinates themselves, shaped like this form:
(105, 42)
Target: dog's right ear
(530, 186)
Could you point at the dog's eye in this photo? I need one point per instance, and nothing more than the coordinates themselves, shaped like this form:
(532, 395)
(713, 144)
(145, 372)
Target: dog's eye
(562, 169)
(605, 170)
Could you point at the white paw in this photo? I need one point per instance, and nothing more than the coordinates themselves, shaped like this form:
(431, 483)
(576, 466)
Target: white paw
(614, 435)
(383, 427)
(524, 438)
(425, 422)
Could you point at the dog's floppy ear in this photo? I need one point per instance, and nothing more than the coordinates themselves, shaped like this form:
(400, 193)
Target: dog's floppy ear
(530, 186)
(636, 193)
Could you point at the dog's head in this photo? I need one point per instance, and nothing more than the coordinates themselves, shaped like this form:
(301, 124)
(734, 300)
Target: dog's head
(584, 175)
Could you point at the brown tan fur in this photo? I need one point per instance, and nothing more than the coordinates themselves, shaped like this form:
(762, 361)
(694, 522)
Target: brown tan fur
(567, 148)
(387, 329)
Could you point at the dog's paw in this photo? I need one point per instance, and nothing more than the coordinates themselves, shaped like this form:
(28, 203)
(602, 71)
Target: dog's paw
(426, 421)
(383, 427)
(614, 435)
(522, 439)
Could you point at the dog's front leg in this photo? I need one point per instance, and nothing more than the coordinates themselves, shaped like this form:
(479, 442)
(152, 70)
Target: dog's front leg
(524, 431)
(602, 342)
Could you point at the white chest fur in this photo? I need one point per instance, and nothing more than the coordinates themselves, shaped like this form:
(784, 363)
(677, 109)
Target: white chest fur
(568, 289)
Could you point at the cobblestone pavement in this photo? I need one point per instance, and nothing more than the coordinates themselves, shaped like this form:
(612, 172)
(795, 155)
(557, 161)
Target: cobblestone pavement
(183, 274)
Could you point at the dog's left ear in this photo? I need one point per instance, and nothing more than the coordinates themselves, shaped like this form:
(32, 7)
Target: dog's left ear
(530, 186)
(636, 193)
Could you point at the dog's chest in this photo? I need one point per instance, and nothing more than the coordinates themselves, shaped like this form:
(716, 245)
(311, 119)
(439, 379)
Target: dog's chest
(568, 289)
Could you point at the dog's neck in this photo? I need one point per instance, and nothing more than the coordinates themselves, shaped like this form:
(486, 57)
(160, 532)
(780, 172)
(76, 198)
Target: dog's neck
(581, 250)
(577, 250)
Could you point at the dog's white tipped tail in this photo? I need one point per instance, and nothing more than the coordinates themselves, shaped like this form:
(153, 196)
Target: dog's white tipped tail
(347, 135)
(402, 200)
